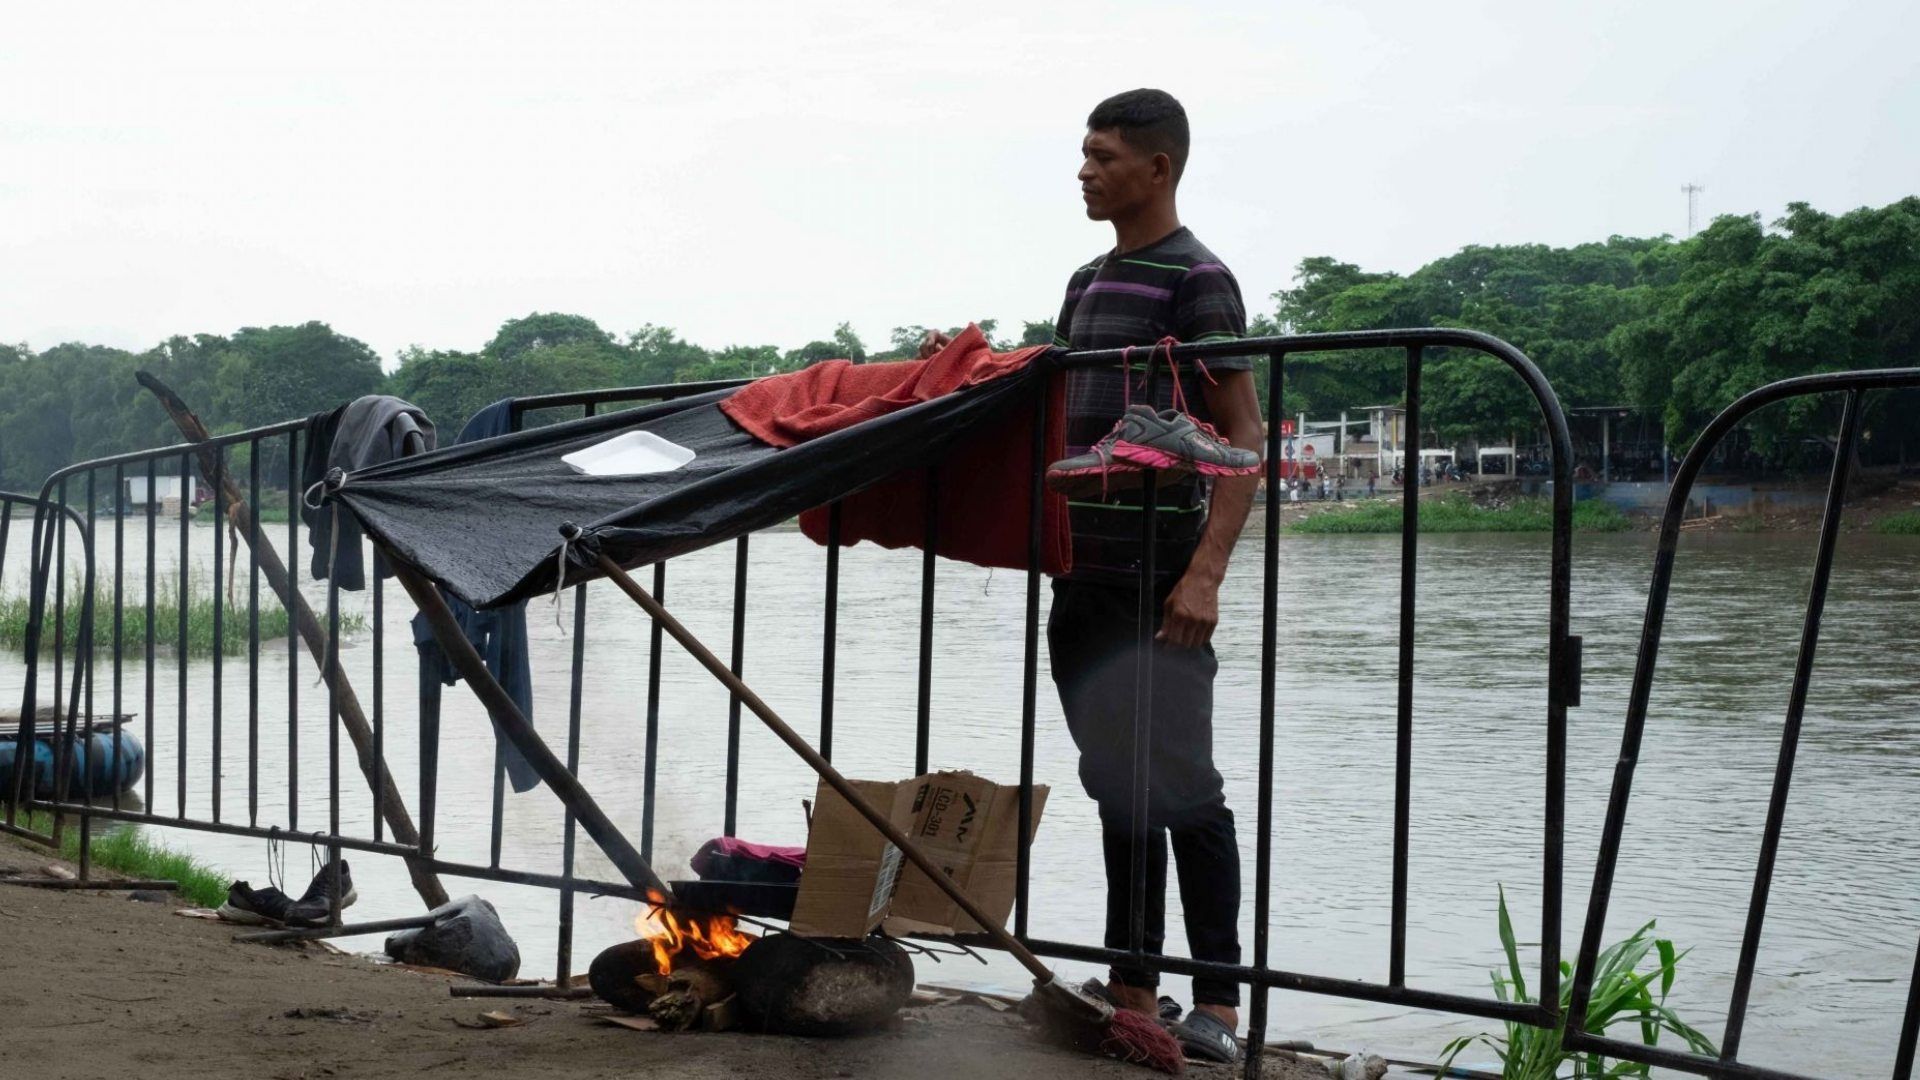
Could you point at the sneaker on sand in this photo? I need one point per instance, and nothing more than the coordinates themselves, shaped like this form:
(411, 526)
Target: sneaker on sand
(1170, 441)
(313, 909)
(255, 907)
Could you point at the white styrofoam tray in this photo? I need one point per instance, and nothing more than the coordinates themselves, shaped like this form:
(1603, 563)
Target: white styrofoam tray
(635, 453)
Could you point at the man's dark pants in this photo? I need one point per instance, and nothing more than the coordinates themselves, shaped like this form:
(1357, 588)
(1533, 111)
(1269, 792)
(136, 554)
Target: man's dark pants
(1092, 637)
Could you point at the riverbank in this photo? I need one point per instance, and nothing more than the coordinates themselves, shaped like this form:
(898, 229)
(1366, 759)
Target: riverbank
(1450, 511)
(1889, 507)
(98, 985)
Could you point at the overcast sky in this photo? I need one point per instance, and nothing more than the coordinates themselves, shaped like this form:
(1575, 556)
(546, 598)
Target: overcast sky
(755, 173)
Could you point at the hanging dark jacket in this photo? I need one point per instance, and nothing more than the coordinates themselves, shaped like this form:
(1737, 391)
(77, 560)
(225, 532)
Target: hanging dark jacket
(499, 635)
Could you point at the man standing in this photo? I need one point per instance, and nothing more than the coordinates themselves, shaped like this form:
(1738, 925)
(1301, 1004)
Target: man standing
(1158, 280)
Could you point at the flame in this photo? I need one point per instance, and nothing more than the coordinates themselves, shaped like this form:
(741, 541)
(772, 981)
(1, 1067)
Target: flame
(673, 934)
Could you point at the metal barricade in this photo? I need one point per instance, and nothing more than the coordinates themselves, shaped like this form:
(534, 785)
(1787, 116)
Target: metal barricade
(274, 450)
(1853, 385)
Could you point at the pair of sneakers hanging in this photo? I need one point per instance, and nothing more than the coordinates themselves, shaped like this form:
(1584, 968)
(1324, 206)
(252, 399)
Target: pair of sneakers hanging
(1170, 441)
(271, 907)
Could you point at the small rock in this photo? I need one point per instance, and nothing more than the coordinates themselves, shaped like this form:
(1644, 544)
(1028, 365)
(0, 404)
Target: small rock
(149, 896)
(466, 936)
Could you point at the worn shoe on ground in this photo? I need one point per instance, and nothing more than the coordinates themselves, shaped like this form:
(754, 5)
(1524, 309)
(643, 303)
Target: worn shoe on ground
(313, 909)
(1170, 441)
(1205, 1037)
(255, 907)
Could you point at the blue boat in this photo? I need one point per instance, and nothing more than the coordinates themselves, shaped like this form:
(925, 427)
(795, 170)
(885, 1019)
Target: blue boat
(113, 767)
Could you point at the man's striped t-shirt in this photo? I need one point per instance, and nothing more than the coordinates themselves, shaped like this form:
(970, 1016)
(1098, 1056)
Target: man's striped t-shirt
(1174, 286)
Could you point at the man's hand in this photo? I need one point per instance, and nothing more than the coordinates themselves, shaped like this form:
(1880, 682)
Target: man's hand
(932, 343)
(1192, 611)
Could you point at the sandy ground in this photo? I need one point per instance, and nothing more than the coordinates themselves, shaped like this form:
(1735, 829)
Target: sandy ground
(95, 985)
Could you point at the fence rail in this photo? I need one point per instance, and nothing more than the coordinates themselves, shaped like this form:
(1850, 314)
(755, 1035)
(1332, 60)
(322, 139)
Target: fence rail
(270, 454)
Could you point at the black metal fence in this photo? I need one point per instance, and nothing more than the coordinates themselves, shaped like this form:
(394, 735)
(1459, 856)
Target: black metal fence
(233, 465)
(1852, 386)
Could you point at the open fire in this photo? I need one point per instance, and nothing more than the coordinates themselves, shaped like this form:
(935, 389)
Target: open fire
(678, 937)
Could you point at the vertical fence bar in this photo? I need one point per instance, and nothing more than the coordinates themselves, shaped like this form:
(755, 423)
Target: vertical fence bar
(119, 614)
(829, 631)
(152, 631)
(1140, 823)
(379, 707)
(1403, 732)
(563, 953)
(1909, 1027)
(183, 602)
(737, 664)
(62, 738)
(1790, 731)
(83, 669)
(330, 672)
(648, 774)
(294, 500)
(253, 632)
(497, 815)
(1269, 660)
(923, 726)
(219, 600)
(39, 564)
(1030, 657)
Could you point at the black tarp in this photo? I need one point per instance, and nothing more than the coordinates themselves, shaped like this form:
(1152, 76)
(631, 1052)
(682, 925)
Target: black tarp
(484, 519)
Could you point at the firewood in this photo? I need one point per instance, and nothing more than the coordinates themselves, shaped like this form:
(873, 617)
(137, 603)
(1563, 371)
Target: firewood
(675, 1010)
(652, 982)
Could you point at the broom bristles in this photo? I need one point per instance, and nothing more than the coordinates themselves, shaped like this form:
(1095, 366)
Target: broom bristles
(1136, 1038)
(1126, 1036)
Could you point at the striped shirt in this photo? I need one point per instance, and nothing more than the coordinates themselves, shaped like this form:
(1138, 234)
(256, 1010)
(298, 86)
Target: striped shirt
(1176, 287)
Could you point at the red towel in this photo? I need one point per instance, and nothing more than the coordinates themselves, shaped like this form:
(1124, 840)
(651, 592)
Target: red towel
(983, 483)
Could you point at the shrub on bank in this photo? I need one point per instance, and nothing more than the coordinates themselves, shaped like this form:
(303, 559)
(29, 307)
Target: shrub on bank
(1456, 513)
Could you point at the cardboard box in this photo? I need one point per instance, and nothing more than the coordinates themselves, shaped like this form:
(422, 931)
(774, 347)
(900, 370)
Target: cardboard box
(856, 880)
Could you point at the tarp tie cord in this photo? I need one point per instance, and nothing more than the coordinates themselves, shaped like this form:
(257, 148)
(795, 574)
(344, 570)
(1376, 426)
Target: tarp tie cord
(569, 533)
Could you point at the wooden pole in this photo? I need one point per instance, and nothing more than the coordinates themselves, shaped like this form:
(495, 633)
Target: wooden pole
(352, 716)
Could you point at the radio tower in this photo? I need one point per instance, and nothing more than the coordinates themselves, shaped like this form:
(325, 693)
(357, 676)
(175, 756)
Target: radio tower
(1693, 200)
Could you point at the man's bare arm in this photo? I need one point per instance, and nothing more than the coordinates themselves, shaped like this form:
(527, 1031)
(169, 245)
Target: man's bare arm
(1193, 608)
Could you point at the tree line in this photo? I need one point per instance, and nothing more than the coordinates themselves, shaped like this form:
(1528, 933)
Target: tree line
(1678, 328)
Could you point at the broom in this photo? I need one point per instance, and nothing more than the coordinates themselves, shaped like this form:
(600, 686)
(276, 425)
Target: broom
(1070, 1015)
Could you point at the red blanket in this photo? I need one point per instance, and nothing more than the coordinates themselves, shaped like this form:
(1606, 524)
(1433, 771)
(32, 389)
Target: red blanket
(983, 483)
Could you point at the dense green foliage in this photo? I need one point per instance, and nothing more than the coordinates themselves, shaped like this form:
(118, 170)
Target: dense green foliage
(1679, 328)
(1457, 513)
(15, 608)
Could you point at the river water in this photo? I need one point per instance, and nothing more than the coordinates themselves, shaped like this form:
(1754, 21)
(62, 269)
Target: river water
(1845, 914)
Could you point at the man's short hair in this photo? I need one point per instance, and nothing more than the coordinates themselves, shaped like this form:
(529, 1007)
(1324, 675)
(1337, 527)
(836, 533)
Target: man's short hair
(1149, 120)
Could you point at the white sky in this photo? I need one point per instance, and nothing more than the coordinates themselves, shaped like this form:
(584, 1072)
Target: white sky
(754, 173)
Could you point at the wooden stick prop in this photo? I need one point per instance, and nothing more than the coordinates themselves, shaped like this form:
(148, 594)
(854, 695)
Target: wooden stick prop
(352, 716)
(514, 724)
(1090, 1024)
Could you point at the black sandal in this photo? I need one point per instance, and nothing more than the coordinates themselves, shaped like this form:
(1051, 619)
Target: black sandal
(1205, 1037)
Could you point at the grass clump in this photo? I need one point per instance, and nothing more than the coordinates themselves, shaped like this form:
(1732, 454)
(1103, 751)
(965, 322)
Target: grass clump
(1456, 513)
(1622, 994)
(127, 850)
(1904, 523)
(16, 609)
